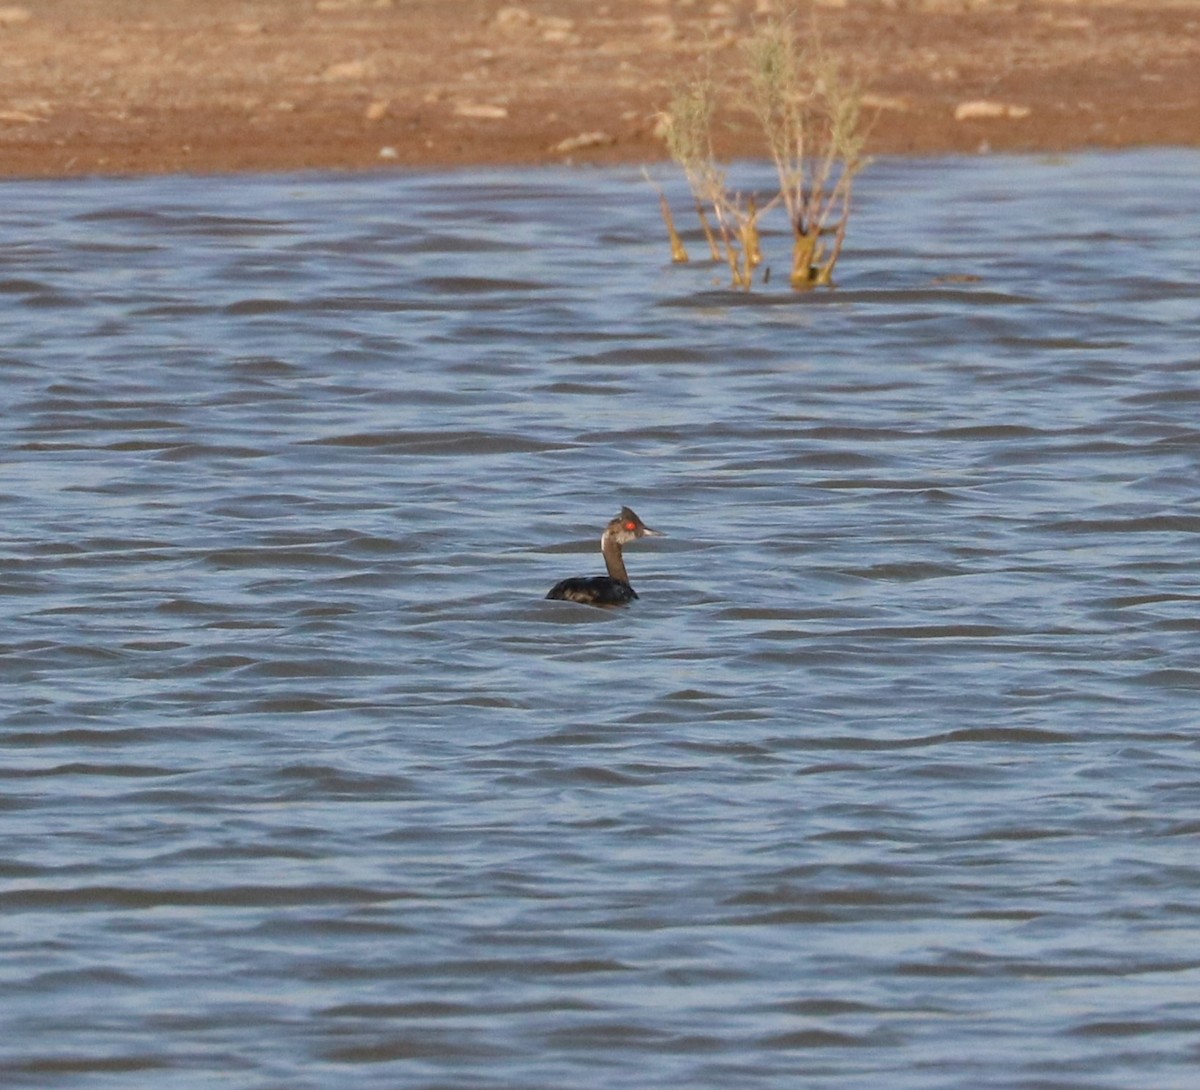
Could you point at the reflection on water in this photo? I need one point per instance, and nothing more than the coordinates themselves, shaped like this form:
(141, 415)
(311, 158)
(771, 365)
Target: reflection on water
(890, 777)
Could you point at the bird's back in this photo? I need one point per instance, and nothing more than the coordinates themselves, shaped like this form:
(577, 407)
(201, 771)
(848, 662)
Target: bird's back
(594, 590)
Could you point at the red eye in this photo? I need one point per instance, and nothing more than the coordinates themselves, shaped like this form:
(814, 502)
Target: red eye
(631, 526)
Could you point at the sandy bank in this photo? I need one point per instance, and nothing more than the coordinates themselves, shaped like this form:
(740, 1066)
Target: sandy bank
(132, 86)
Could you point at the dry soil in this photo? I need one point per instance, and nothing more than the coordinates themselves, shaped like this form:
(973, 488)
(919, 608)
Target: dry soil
(136, 86)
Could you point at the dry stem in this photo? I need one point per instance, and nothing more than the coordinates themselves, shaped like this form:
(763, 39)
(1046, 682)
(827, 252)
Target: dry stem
(812, 123)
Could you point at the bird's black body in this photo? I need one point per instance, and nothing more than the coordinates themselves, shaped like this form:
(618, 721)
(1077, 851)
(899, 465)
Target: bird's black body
(612, 589)
(594, 590)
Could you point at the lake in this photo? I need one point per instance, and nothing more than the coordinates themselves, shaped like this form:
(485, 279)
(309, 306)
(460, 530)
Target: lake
(891, 776)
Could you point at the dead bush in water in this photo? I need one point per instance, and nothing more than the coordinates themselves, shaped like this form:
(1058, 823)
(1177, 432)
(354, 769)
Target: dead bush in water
(687, 129)
(811, 120)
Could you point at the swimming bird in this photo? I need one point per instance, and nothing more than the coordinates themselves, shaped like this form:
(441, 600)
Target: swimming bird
(612, 589)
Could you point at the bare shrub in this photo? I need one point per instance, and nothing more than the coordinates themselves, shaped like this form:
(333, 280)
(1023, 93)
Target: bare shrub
(811, 118)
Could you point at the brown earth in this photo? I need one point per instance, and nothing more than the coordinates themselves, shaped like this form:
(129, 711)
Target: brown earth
(134, 86)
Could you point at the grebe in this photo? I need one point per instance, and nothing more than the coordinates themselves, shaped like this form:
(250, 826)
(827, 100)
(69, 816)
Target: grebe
(612, 589)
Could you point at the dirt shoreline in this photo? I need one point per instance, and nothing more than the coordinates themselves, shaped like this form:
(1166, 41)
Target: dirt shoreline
(157, 86)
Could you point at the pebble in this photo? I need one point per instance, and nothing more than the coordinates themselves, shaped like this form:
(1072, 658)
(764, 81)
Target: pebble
(11, 16)
(983, 108)
(661, 27)
(886, 102)
(480, 110)
(344, 71)
(20, 117)
(512, 16)
(553, 28)
(597, 139)
(331, 6)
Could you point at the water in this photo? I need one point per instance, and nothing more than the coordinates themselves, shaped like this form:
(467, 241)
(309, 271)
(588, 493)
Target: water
(891, 777)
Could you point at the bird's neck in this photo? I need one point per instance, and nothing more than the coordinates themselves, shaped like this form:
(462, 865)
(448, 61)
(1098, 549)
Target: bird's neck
(611, 548)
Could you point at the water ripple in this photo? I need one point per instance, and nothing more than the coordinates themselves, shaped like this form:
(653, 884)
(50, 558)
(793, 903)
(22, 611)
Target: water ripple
(887, 778)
